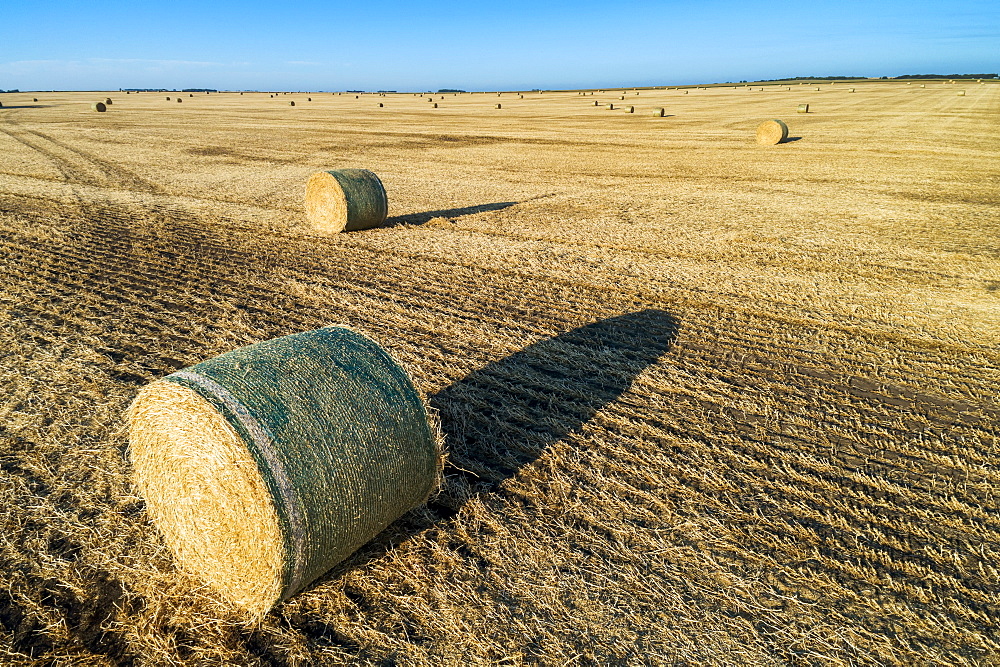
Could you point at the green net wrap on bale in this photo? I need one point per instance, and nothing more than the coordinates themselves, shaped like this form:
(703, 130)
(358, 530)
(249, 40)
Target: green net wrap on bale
(329, 436)
(345, 200)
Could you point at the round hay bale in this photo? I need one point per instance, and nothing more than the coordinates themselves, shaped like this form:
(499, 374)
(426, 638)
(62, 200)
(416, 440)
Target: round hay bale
(190, 94)
(596, 103)
(658, 112)
(685, 92)
(434, 106)
(266, 466)
(108, 101)
(850, 90)
(923, 85)
(292, 103)
(380, 105)
(621, 97)
(180, 99)
(430, 99)
(309, 99)
(771, 132)
(610, 107)
(629, 109)
(498, 106)
(99, 106)
(803, 108)
(168, 99)
(345, 200)
(34, 99)
(961, 93)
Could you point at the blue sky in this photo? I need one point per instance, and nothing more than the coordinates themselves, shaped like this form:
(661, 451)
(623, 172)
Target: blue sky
(312, 45)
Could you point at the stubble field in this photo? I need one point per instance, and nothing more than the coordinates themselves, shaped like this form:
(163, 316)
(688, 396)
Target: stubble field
(706, 402)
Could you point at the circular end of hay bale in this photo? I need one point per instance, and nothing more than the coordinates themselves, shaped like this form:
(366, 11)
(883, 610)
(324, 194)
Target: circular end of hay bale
(434, 106)
(292, 103)
(266, 466)
(34, 99)
(499, 106)
(168, 99)
(771, 132)
(658, 112)
(345, 200)
(99, 106)
(596, 103)
(803, 108)
(180, 99)
(190, 94)
(630, 109)
(107, 101)
(380, 105)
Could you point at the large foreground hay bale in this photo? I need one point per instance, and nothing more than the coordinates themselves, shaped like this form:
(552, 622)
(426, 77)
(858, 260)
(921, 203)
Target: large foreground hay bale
(771, 132)
(266, 466)
(345, 200)
(803, 108)
(99, 106)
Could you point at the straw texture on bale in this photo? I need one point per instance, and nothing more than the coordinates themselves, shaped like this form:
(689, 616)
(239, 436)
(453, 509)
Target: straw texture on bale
(98, 106)
(658, 112)
(266, 466)
(771, 132)
(345, 200)
(803, 108)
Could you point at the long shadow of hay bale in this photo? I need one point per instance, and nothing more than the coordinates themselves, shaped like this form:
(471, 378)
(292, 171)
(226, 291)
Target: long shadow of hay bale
(421, 218)
(505, 415)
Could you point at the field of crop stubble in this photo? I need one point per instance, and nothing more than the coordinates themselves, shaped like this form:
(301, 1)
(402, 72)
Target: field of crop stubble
(707, 402)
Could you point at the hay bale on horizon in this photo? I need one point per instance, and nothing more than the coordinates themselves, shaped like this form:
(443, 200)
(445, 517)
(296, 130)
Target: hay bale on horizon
(99, 106)
(802, 108)
(300, 449)
(658, 112)
(772, 132)
(345, 200)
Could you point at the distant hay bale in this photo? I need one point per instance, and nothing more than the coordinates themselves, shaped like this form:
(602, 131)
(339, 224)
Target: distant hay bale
(430, 99)
(168, 99)
(380, 105)
(190, 94)
(817, 88)
(923, 85)
(622, 97)
(850, 90)
(106, 101)
(292, 103)
(803, 108)
(596, 103)
(180, 99)
(499, 106)
(961, 93)
(345, 200)
(658, 112)
(434, 106)
(771, 132)
(610, 107)
(630, 109)
(309, 99)
(685, 92)
(34, 99)
(99, 106)
(266, 466)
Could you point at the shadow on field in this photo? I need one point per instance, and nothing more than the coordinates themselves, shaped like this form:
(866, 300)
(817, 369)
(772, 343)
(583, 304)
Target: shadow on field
(421, 218)
(505, 415)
